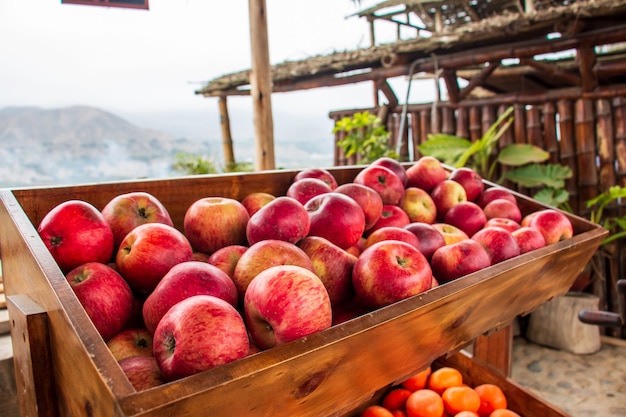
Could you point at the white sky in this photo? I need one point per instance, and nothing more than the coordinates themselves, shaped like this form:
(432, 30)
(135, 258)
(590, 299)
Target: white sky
(55, 55)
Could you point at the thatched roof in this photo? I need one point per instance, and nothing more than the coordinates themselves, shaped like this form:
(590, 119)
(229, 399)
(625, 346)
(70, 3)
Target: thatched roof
(593, 19)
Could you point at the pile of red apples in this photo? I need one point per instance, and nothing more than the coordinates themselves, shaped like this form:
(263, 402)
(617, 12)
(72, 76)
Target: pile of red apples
(246, 276)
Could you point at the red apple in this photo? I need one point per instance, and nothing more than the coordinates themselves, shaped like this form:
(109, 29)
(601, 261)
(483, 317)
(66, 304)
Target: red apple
(136, 341)
(306, 188)
(254, 201)
(148, 252)
(499, 243)
(419, 205)
(391, 216)
(105, 296)
(467, 216)
(75, 233)
(470, 180)
(183, 281)
(451, 234)
(382, 180)
(459, 259)
(263, 255)
(214, 222)
(281, 219)
(425, 173)
(197, 334)
(553, 225)
(142, 371)
(528, 239)
(126, 211)
(504, 223)
(200, 256)
(369, 200)
(392, 233)
(493, 193)
(319, 173)
(393, 165)
(226, 258)
(429, 237)
(336, 217)
(503, 208)
(285, 303)
(332, 265)
(447, 194)
(527, 218)
(390, 271)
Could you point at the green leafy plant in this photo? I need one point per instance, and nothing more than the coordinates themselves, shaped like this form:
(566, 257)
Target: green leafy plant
(365, 137)
(615, 225)
(526, 164)
(190, 164)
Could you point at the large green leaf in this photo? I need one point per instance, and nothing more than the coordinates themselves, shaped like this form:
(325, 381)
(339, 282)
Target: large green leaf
(535, 175)
(521, 154)
(446, 148)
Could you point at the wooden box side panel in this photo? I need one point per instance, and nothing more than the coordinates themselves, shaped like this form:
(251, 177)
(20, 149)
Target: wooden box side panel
(29, 270)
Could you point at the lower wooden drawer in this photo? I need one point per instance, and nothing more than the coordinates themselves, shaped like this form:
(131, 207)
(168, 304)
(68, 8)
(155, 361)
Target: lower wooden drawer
(519, 399)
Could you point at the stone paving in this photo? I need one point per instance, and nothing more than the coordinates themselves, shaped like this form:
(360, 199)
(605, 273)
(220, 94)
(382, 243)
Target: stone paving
(582, 385)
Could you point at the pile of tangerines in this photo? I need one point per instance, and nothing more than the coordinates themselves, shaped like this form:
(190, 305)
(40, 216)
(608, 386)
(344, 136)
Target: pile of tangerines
(441, 393)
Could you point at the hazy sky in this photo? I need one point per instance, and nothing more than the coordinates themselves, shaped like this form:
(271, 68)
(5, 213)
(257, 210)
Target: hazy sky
(56, 55)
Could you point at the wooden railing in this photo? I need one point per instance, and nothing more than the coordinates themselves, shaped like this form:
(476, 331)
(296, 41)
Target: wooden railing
(584, 131)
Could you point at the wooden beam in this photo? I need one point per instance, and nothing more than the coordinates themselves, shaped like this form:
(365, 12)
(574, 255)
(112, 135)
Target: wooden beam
(261, 87)
(586, 57)
(383, 86)
(478, 79)
(227, 140)
(452, 84)
(553, 71)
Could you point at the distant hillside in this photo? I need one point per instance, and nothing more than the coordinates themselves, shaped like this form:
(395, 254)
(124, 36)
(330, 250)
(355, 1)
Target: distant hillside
(82, 144)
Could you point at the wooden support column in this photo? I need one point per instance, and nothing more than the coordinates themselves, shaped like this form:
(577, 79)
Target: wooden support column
(587, 61)
(227, 140)
(261, 87)
(496, 350)
(449, 76)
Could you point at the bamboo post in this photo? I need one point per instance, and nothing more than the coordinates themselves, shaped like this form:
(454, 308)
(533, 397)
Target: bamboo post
(462, 129)
(475, 129)
(425, 124)
(605, 144)
(567, 150)
(261, 87)
(586, 151)
(519, 123)
(549, 132)
(227, 140)
(619, 111)
(415, 134)
(447, 122)
(533, 126)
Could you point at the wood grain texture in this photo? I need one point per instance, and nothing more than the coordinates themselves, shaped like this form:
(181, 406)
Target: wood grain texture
(356, 358)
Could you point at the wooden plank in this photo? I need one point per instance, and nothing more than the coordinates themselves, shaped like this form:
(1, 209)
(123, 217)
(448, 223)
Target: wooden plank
(8, 391)
(496, 349)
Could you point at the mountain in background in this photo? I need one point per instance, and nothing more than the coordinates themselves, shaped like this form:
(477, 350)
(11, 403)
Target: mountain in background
(82, 144)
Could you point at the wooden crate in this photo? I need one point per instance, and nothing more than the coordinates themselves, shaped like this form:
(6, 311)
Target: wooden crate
(519, 399)
(64, 368)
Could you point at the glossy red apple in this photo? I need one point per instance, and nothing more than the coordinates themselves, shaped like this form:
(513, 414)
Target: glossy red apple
(183, 281)
(554, 225)
(75, 233)
(382, 180)
(306, 188)
(503, 208)
(493, 193)
(336, 217)
(447, 194)
(135, 341)
(126, 211)
(197, 334)
(369, 200)
(148, 252)
(226, 258)
(499, 243)
(429, 237)
(285, 303)
(263, 255)
(254, 201)
(281, 219)
(528, 239)
(214, 222)
(467, 216)
(105, 296)
(320, 174)
(419, 205)
(471, 181)
(425, 173)
(392, 233)
(459, 259)
(504, 223)
(390, 271)
(391, 216)
(394, 165)
(143, 372)
(332, 265)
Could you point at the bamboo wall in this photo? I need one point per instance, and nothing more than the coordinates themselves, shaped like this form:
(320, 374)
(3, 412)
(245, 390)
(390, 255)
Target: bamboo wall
(586, 132)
